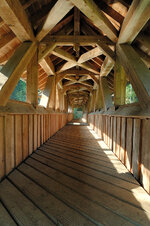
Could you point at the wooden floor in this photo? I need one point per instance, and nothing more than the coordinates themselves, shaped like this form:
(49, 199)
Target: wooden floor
(73, 179)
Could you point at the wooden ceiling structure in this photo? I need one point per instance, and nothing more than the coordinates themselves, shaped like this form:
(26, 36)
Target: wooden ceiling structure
(81, 50)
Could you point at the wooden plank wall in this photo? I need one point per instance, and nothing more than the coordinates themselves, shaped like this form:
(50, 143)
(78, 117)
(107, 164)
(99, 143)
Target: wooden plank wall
(129, 139)
(21, 134)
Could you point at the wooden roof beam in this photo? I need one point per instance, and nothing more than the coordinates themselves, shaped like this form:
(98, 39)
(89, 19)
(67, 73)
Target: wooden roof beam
(78, 82)
(64, 40)
(61, 25)
(61, 8)
(107, 51)
(75, 72)
(46, 50)
(66, 30)
(13, 69)
(16, 19)
(144, 40)
(5, 39)
(107, 66)
(109, 11)
(145, 58)
(90, 55)
(63, 54)
(137, 16)
(91, 10)
(48, 66)
(71, 61)
(28, 3)
(76, 86)
(137, 71)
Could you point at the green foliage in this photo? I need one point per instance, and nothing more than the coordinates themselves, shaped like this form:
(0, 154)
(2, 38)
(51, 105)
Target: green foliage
(130, 94)
(20, 92)
(77, 113)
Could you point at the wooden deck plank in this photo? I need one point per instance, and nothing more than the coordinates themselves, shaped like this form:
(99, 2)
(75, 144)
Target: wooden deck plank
(74, 179)
(94, 212)
(89, 164)
(23, 210)
(53, 207)
(90, 171)
(5, 218)
(98, 191)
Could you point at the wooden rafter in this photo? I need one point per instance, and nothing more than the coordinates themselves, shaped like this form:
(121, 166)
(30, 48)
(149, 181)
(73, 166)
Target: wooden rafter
(14, 68)
(76, 86)
(90, 9)
(90, 55)
(107, 66)
(72, 62)
(48, 66)
(65, 40)
(5, 39)
(17, 19)
(61, 8)
(136, 18)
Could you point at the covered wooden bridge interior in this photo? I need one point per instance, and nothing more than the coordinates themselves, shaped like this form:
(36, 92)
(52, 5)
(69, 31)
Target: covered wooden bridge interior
(75, 54)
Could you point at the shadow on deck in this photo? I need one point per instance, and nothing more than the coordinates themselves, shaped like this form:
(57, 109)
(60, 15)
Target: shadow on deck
(73, 179)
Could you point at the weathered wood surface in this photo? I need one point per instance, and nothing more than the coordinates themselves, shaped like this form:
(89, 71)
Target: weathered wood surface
(47, 185)
(21, 134)
(128, 138)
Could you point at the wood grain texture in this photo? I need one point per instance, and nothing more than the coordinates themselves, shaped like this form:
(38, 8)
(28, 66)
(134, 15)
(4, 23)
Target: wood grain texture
(25, 136)
(18, 139)
(136, 148)
(9, 143)
(129, 144)
(145, 157)
(123, 140)
(2, 150)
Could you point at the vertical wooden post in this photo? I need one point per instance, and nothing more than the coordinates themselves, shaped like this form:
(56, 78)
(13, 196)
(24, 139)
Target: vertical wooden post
(137, 71)
(94, 101)
(89, 103)
(11, 72)
(106, 94)
(65, 103)
(47, 93)
(32, 80)
(52, 97)
(61, 100)
(57, 102)
(119, 84)
(99, 99)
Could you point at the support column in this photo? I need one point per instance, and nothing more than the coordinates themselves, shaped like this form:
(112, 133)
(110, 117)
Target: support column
(106, 94)
(90, 103)
(93, 101)
(57, 99)
(99, 99)
(48, 91)
(119, 84)
(32, 81)
(11, 72)
(65, 103)
(137, 71)
(52, 97)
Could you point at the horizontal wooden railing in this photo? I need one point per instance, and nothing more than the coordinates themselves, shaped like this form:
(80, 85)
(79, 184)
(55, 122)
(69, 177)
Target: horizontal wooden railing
(21, 134)
(129, 139)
